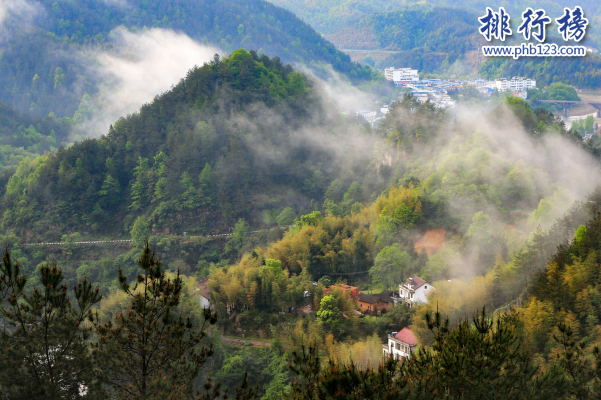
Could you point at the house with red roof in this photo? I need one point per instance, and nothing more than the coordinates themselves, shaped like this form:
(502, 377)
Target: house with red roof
(415, 290)
(400, 344)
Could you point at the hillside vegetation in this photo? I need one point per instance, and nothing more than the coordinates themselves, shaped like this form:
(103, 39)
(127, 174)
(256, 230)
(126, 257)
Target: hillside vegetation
(241, 137)
(442, 37)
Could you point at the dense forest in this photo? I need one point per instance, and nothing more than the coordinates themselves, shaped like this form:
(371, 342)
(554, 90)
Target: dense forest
(225, 143)
(242, 143)
(505, 215)
(426, 39)
(328, 17)
(253, 187)
(446, 41)
(23, 135)
(585, 73)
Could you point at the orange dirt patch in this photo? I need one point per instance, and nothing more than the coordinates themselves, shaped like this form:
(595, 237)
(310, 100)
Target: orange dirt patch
(432, 241)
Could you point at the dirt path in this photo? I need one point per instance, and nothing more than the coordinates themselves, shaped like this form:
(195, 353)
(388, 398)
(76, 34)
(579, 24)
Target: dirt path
(255, 343)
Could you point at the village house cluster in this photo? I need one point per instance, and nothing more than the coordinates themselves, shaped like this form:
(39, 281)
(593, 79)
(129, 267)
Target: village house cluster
(400, 344)
(413, 291)
(434, 89)
(438, 91)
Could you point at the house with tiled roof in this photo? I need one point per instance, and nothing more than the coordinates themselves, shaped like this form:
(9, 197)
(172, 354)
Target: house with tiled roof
(372, 303)
(400, 344)
(203, 294)
(352, 290)
(415, 290)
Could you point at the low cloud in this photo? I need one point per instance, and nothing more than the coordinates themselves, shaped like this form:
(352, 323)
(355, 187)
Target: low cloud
(142, 66)
(335, 88)
(16, 14)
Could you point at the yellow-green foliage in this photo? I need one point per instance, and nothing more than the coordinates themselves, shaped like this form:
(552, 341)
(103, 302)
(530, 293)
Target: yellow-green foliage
(327, 245)
(26, 176)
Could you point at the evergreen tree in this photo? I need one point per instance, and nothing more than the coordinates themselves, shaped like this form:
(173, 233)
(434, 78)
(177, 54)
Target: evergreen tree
(150, 352)
(44, 337)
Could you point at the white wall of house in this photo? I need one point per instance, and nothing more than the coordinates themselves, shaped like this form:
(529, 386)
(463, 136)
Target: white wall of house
(421, 293)
(204, 302)
(515, 83)
(401, 74)
(397, 349)
(418, 295)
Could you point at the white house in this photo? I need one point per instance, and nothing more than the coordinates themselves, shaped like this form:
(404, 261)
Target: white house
(203, 296)
(368, 114)
(400, 344)
(515, 84)
(415, 290)
(401, 74)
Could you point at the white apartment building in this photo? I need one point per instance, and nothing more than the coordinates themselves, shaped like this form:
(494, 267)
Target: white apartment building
(401, 74)
(415, 290)
(368, 114)
(400, 344)
(515, 84)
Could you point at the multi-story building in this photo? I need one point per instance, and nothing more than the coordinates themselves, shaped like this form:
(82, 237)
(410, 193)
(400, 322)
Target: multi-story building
(415, 290)
(400, 344)
(401, 74)
(368, 114)
(515, 84)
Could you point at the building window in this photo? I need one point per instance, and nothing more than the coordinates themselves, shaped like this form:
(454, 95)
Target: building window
(426, 287)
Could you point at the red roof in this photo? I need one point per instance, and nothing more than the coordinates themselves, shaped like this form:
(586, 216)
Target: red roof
(203, 286)
(406, 336)
(415, 282)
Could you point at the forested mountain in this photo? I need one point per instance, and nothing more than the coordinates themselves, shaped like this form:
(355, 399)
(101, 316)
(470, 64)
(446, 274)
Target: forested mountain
(242, 137)
(447, 42)
(328, 17)
(428, 39)
(248, 141)
(22, 135)
(442, 37)
(52, 42)
(488, 201)
(584, 73)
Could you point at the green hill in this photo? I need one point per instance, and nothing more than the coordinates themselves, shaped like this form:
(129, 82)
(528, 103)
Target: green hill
(242, 137)
(442, 37)
(426, 39)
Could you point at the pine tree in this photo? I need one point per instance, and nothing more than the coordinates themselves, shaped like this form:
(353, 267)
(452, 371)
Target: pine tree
(44, 337)
(150, 352)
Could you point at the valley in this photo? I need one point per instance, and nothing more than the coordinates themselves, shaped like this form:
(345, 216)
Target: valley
(219, 200)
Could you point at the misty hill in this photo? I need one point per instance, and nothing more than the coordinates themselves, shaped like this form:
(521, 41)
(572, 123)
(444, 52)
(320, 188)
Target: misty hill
(52, 42)
(242, 137)
(22, 135)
